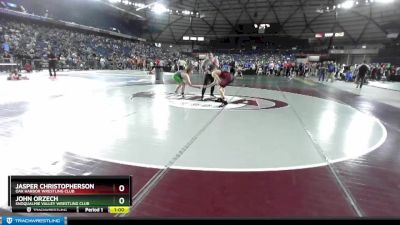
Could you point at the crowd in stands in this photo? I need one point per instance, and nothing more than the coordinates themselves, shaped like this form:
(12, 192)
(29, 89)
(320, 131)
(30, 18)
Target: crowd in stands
(30, 43)
(332, 71)
(286, 65)
(254, 60)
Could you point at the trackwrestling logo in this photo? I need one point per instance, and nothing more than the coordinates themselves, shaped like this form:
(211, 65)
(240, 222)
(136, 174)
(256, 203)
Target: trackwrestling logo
(33, 220)
(192, 101)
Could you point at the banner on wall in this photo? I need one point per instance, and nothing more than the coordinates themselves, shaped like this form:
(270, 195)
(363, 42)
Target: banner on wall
(202, 56)
(314, 58)
(302, 60)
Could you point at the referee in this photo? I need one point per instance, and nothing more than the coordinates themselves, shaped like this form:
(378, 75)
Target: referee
(52, 59)
(208, 79)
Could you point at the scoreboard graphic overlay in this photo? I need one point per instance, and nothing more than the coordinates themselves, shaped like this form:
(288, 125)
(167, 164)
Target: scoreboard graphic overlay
(70, 194)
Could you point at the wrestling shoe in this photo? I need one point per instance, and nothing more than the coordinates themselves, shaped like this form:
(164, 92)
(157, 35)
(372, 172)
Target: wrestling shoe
(224, 103)
(219, 100)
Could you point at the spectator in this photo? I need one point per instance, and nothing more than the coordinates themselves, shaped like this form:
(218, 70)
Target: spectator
(362, 72)
(7, 57)
(52, 63)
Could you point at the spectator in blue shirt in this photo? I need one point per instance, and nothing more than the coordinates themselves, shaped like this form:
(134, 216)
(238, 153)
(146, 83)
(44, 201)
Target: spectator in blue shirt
(331, 71)
(6, 47)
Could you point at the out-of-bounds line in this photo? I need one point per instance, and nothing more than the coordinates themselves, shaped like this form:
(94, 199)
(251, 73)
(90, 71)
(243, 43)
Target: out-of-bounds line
(152, 183)
(384, 88)
(320, 151)
(344, 103)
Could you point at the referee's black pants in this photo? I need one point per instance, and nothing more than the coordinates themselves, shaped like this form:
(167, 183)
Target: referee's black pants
(208, 79)
(52, 67)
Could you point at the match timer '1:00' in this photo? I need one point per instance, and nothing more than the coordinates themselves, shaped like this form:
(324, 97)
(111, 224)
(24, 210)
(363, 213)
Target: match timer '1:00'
(118, 210)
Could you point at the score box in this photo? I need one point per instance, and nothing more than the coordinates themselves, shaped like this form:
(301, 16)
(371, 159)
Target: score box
(66, 185)
(69, 191)
(69, 200)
